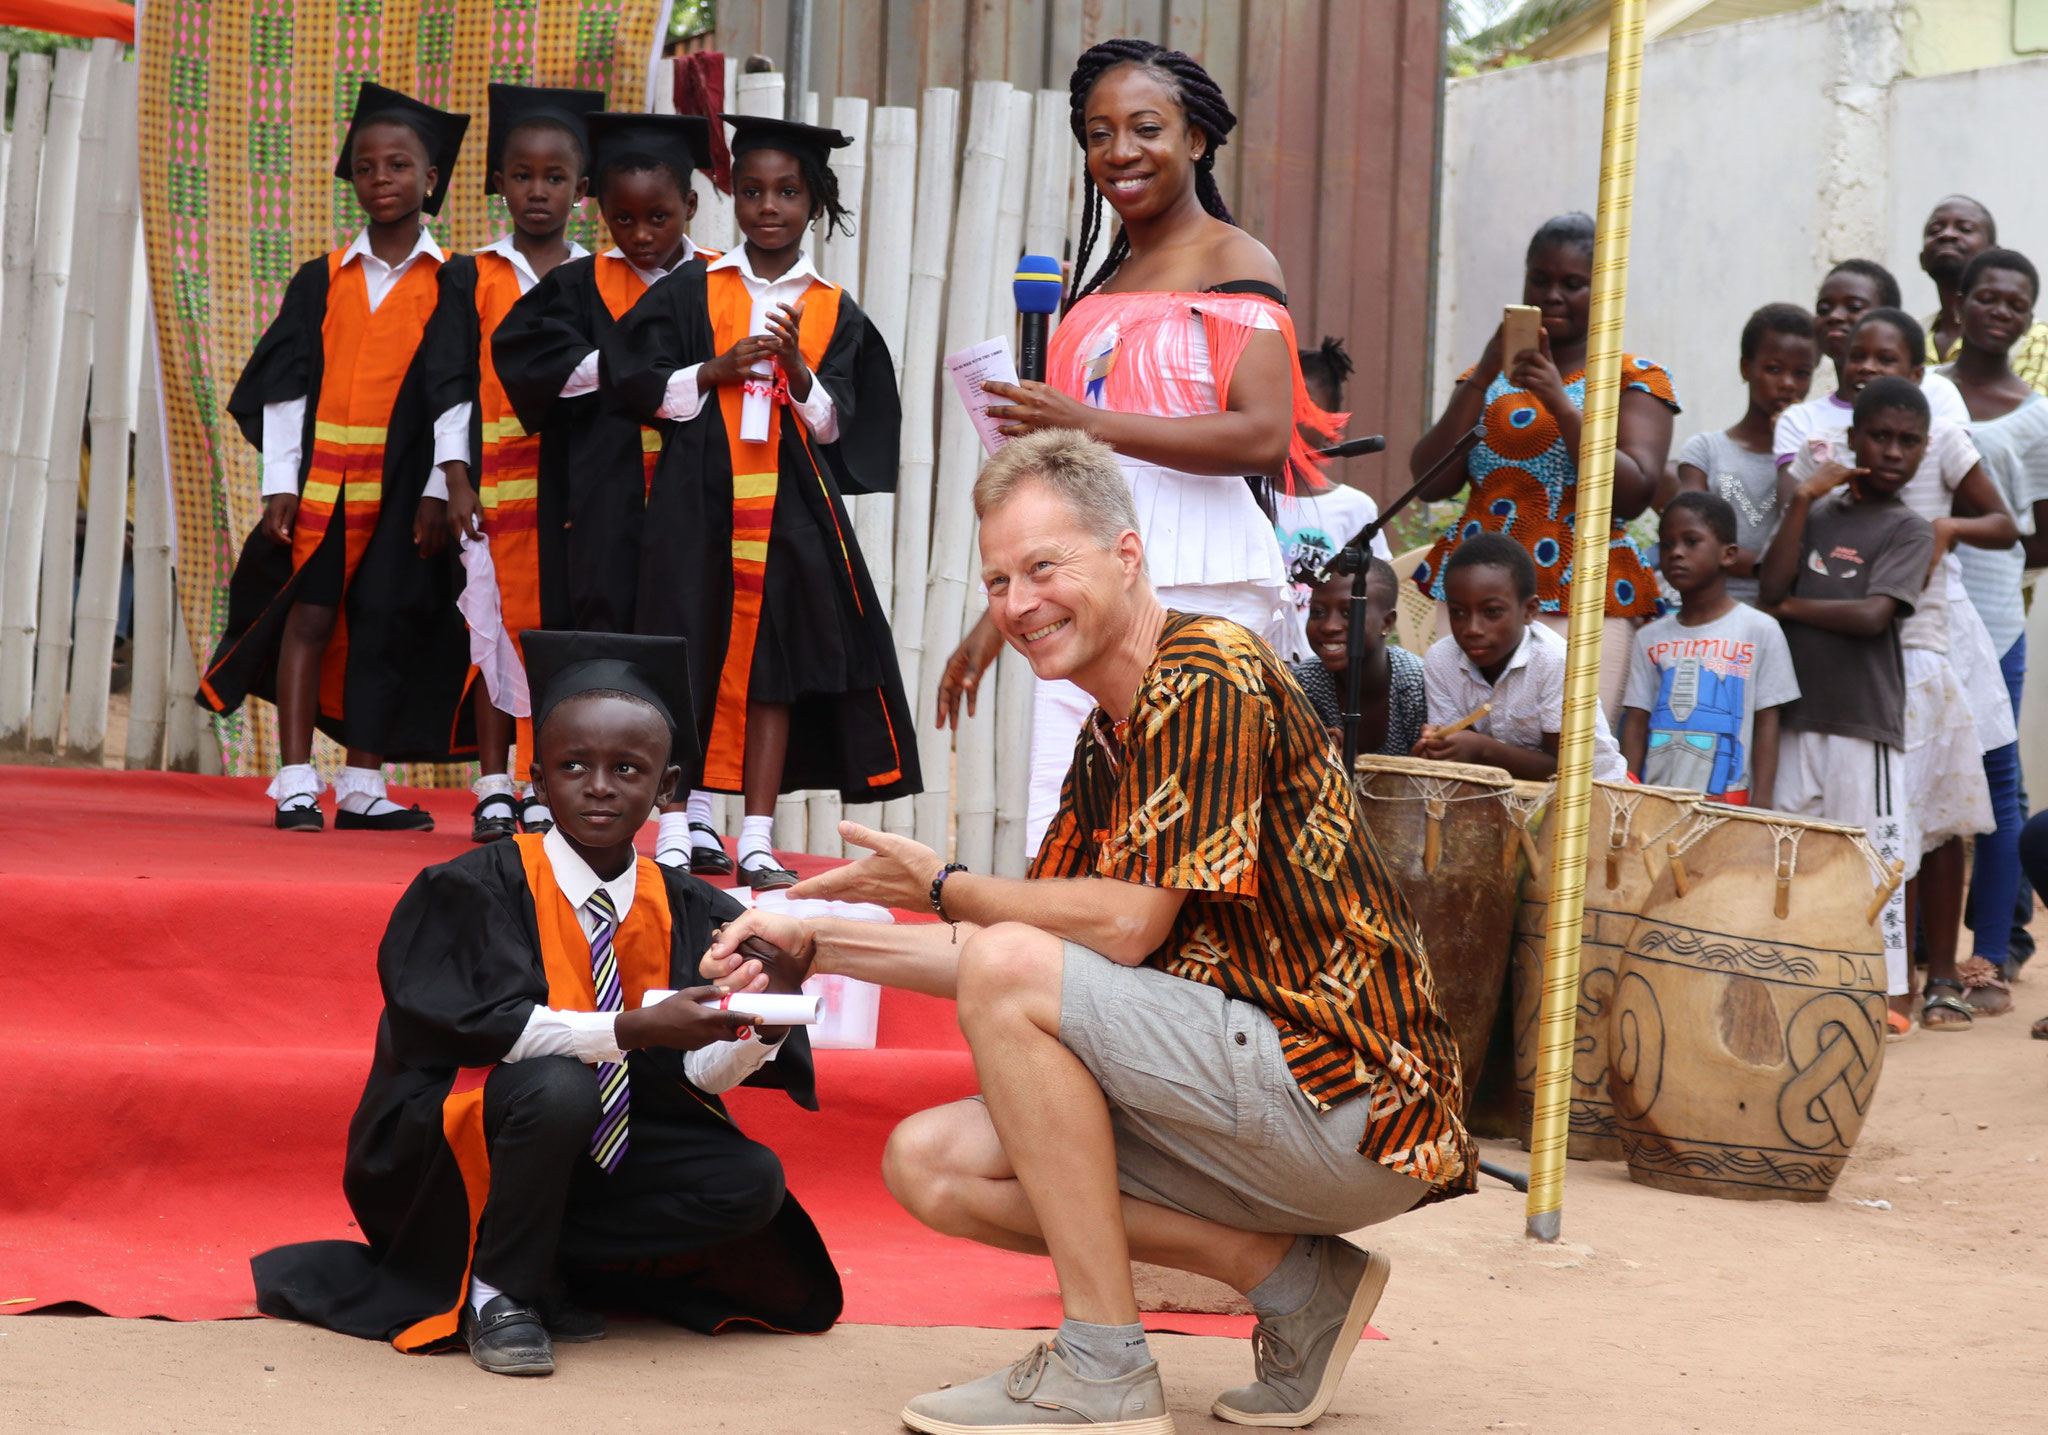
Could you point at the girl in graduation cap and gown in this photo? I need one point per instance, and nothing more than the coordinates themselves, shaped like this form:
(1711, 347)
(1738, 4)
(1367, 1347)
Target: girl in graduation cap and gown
(532, 1141)
(780, 398)
(335, 611)
(485, 490)
(595, 461)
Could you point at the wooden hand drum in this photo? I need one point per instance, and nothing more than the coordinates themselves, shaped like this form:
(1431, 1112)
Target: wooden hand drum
(1445, 832)
(1623, 848)
(1749, 1010)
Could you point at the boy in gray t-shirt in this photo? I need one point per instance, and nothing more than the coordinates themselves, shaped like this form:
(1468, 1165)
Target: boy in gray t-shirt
(1739, 463)
(1705, 685)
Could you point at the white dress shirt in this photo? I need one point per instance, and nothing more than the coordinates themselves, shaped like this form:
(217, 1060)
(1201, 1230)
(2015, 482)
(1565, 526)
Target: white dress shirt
(451, 429)
(685, 400)
(284, 423)
(589, 1036)
(1527, 697)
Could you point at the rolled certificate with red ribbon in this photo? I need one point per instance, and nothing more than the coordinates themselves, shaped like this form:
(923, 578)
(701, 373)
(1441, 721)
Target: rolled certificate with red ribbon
(773, 1008)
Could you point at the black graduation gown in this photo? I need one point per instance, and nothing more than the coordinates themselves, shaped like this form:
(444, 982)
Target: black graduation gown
(408, 648)
(461, 970)
(824, 645)
(592, 481)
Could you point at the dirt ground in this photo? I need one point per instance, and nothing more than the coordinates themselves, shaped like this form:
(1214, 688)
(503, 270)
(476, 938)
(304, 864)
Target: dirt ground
(1657, 1313)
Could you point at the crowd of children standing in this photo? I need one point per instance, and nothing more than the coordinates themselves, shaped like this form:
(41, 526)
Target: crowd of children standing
(458, 450)
(1839, 580)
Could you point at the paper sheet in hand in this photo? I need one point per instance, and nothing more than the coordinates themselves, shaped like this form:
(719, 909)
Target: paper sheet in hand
(773, 1008)
(990, 359)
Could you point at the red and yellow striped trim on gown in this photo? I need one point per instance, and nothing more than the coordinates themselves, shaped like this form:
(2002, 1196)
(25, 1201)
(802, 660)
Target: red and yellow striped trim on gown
(641, 947)
(756, 473)
(620, 286)
(364, 362)
(507, 475)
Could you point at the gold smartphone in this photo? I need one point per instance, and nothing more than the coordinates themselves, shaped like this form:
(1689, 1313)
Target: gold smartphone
(1520, 328)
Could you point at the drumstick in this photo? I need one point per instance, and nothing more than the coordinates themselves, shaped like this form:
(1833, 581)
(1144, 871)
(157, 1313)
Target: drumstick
(1466, 721)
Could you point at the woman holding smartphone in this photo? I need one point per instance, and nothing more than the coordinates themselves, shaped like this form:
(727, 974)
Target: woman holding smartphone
(1523, 476)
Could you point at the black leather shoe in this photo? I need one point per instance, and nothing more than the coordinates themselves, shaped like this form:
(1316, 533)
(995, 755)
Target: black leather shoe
(571, 1324)
(538, 826)
(765, 878)
(507, 1338)
(711, 861)
(405, 819)
(306, 818)
(495, 817)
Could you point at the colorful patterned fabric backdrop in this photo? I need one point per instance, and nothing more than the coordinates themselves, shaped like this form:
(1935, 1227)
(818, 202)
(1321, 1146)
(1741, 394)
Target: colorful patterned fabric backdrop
(244, 104)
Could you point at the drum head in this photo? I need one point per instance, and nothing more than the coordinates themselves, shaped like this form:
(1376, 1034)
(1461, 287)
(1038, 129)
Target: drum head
(1371, 764)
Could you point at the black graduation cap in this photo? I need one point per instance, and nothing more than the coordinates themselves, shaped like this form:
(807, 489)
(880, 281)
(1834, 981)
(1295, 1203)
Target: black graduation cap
(682, 142)
(440, 130)
(812, 142)
(561, 665)
(515, 105)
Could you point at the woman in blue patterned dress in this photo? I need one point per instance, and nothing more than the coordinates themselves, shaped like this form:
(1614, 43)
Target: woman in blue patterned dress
(1524, 474)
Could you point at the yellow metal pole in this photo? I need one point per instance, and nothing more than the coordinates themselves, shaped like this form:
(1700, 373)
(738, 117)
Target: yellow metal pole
(1572, 807)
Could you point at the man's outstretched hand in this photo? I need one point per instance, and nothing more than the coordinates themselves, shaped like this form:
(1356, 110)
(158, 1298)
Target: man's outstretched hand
(771, 948)
(898, 875)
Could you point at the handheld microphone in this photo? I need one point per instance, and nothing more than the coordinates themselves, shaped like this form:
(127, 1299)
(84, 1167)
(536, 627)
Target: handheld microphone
(1352, 448)
(1037, 291)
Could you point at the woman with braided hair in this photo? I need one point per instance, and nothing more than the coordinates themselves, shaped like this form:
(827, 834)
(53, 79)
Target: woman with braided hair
(1176, 350)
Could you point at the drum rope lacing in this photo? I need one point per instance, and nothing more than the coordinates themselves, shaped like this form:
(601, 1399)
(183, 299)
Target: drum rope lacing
(1785, 849)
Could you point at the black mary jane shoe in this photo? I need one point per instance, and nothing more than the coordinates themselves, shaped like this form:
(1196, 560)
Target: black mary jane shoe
(488, 826)
(767, 877)
(301, 819)
(708, 861)
(571, 1324)
(535, 826)
(405, 819)
(507, 1338)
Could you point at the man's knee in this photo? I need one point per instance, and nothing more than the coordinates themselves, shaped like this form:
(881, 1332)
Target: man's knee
(922, 1166)
(549, 1099)
(1007, 964)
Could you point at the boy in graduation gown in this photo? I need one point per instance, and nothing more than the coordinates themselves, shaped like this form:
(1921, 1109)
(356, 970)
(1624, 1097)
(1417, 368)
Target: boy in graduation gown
(780, 398)
(485, 489)
(595, 462)
(533, 1141)
(335, 611)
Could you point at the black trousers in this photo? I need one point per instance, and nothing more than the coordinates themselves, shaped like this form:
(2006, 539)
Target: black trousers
(689, 1179)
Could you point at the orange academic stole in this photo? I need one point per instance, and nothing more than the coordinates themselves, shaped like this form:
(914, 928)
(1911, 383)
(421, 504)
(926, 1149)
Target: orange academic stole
(755, 477)
(641, 947)
(364, 361)
(620, 288)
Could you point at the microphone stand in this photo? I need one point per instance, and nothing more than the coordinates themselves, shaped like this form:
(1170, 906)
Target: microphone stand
(1353, 559)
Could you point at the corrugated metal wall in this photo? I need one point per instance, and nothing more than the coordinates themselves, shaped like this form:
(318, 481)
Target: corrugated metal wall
(1333, 165)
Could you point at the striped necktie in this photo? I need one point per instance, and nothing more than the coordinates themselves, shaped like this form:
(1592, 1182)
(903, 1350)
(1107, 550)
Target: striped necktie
(608, 1143)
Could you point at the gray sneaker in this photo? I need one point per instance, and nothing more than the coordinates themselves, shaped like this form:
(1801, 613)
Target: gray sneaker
(1041, 1392)
(1301, 1357)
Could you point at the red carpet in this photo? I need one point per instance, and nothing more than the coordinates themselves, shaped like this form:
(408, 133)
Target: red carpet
(190, 999)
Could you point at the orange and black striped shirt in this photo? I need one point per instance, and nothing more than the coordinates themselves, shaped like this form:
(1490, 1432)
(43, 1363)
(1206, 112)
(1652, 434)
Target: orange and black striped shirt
(1224, 783)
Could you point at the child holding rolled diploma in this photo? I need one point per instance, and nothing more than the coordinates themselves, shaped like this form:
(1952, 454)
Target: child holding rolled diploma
(485, 492)
(518, 1059)
(778, 397)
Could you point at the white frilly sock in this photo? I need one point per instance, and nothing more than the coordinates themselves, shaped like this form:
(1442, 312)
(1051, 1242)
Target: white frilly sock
(361, 790)
(672, 844)
(754, 840)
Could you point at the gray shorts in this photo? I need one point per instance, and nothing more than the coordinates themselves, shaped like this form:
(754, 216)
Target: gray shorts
(1208, 1119)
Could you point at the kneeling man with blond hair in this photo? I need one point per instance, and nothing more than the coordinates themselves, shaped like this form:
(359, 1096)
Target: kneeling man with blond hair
(1204, 1026)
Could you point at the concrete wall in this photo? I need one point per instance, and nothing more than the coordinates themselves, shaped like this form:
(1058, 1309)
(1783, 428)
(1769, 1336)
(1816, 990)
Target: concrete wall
(1733, 133)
